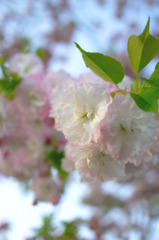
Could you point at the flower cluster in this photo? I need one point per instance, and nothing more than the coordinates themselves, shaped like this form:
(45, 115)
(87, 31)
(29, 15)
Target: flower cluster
(27, 132)
(104, 127)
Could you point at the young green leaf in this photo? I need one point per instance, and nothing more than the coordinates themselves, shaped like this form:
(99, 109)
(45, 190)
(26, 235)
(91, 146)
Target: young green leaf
(142, 49)
(55, 158)
(134, 51)
(104, 66)
(41, 53)
(46, 230)
(157, 65)
(70, 232)
(150, 50)
(8, 84)
(2, 60)
(147, 98)
(9, 81)
(154, 78)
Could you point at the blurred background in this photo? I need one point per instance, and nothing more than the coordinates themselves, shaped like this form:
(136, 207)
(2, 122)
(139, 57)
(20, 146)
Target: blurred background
(123, 211)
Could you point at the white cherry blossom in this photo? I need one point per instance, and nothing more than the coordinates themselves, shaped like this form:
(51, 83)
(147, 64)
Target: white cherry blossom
(26, 64)
(94, 164)
(54, 79)
(9, 118)
(46, 189)
(127, 132)
(93, 78)
(67, 161)
(78, 111)
(30, 97)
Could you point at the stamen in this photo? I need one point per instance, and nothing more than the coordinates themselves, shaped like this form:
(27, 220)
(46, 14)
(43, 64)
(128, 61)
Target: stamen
(122, 128)
(85, 115)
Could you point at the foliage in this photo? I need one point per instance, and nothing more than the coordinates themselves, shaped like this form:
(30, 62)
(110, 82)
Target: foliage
(105, 67)
(47, 230)
(70, 232)
(141, 49)
(41, 53)
(55, 157)
(147, 98)
(9, 81)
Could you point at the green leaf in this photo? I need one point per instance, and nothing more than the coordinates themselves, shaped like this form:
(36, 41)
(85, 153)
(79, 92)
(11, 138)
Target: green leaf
(25, 45)
(41, 53)
(70, 232)
(150, 50)
(145, 33)
(154, 78)
(49, 231)
(46, 230)
(142, 49)
(2, 60)
(157, 65)
(104, 66)
(134, 51)
(55, 158)
(147, 98)
(9, 83)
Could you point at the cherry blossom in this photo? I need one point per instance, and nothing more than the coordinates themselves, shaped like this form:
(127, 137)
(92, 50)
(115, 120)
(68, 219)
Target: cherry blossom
(79, 110)
(9, 117)
(93, 164)
(127, 132)
(30, 98)
(46, 189)
(26, 64)
(54, 79)
(67, 162)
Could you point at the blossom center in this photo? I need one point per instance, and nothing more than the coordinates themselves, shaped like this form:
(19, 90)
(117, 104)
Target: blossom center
(88, 115)
(126, 128)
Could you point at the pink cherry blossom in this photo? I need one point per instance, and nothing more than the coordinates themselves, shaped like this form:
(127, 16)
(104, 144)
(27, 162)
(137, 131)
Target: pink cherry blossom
(9, 117)
(93, 164)
(93, 78)
(67, 162)
(30, 97)
(46, 189)
(26, 64)
(126, 131)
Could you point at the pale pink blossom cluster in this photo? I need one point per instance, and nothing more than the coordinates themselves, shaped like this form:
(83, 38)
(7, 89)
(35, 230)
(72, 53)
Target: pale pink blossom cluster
(104, 127)
(27, 132)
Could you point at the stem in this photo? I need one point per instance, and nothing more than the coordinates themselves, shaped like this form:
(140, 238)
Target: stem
(117, 87)
(137, 82)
